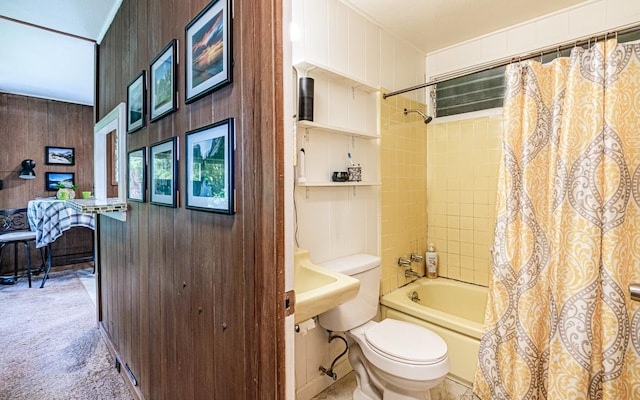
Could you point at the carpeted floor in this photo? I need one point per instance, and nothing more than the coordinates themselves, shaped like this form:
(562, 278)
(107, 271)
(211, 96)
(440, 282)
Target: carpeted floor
(50, 347)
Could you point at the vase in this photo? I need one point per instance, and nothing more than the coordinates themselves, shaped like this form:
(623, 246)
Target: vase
(71, 194)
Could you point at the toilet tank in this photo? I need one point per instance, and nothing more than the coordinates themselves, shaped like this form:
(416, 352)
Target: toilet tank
(361, 309)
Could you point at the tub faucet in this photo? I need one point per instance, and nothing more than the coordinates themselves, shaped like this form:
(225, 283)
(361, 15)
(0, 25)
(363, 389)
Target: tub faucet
(410, 273)
(403, 262)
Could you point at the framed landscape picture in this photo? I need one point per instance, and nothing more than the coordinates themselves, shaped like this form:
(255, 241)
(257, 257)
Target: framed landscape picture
(163, 173)
(136, 103)
(53, 179)
(162, 82)
(208, 50)
(60, 155)
(136, 174)
(209, 160)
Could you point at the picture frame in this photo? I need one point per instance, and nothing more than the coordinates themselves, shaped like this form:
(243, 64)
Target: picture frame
(136, 102)
(209, 32)
(163, 176)
(51, 179)
(55, 155)
(162, 82)
(137, 175)
(209, 156)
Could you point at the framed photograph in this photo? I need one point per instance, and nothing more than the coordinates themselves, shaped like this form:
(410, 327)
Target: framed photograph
(163, 175)
(137, 174)
(53, 179)
(208, 50)
(136, 103)
(162, 82)
(209, 160)
(59, 155)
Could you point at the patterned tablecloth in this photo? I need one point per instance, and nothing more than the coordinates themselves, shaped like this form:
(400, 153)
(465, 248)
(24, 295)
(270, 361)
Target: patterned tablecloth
(49, 218)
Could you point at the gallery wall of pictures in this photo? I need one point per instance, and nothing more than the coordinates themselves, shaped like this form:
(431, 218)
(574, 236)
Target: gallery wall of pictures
(166, 269)
(209, 150)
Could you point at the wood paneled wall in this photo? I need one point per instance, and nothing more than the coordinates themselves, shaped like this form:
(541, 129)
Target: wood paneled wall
(191, 300)
(27, 125)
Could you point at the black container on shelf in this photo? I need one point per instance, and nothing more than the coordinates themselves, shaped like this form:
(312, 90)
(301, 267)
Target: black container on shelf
(305, 99)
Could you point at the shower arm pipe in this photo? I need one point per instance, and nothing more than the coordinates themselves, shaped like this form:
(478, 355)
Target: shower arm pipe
(522, 57)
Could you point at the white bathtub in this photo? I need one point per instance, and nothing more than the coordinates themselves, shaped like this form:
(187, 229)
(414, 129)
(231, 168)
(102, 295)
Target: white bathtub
(452, 309)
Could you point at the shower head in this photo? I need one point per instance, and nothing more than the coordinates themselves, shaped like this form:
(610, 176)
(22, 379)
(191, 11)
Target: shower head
(427, 118)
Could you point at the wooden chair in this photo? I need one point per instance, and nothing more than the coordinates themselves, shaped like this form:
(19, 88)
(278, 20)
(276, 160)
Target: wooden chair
(14, 229)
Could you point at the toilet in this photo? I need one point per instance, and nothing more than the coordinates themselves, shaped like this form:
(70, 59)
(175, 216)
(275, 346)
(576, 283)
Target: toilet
(392, 359)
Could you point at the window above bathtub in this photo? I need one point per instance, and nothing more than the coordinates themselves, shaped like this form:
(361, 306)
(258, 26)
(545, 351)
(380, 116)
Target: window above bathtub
(485, 90)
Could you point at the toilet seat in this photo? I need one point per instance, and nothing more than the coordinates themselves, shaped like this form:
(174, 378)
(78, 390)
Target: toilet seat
(405, 342)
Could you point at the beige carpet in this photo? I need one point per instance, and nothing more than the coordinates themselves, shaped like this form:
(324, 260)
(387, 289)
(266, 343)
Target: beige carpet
(50, 347)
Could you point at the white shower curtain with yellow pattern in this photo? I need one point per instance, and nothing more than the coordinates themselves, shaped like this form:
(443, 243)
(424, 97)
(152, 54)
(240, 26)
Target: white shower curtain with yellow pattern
(559, 322)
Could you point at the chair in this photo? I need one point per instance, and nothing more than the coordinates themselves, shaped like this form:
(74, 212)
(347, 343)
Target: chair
(14, 229)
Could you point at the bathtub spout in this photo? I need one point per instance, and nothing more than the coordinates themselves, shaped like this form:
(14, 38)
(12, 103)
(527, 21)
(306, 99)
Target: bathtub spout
(410, 273)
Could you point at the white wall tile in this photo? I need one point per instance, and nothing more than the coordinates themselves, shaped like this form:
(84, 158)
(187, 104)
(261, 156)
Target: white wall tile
(357, 110)
(521, 38)
(341, 222)
(551, 30)
(573, 23)
(297, 27)
(315, 31)
(493, 47)
(338, 103)
(338, 36)
(372, 73)
(357, 45)
(386, 62)
(404, 70)
(587, 19)
(622, 12)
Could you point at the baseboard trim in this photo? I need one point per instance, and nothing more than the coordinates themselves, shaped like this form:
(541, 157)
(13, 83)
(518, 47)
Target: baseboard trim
(135, 390)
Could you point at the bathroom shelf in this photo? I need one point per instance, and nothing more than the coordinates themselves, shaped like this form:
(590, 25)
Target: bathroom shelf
(337, 184)
(336, 130)
(330, 73)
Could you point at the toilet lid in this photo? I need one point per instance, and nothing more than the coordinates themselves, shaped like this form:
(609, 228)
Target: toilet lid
(406, 341)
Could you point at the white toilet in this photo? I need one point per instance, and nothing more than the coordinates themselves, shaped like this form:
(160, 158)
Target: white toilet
(392, 359)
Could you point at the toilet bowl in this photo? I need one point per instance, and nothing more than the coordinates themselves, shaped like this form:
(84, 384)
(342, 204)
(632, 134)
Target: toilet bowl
(394, 360)
(401, 360)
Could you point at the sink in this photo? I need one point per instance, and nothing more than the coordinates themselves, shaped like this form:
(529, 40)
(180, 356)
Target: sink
(319, 289)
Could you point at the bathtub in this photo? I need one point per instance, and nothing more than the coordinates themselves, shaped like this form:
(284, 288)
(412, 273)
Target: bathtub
(452, 309)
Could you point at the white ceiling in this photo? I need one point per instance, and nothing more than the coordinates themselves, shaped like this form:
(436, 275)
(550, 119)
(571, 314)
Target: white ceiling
(40, 63)
(434, 24)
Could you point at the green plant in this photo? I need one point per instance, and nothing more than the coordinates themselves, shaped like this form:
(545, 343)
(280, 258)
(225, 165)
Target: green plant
(64, 186)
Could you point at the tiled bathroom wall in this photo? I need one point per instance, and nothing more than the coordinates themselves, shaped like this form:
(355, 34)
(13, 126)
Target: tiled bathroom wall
(462, 175)
(403, 147)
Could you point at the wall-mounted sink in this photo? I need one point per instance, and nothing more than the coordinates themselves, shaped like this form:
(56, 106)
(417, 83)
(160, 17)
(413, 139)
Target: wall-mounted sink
(319, 289)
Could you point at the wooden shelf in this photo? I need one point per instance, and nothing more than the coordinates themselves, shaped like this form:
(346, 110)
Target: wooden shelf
(320, 70)
(336, 130)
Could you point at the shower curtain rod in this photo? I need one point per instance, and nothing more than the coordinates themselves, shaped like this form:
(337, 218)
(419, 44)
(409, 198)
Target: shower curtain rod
(528, 56)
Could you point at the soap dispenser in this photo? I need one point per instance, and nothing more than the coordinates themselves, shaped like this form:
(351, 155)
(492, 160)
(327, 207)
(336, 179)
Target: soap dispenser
(431, 258)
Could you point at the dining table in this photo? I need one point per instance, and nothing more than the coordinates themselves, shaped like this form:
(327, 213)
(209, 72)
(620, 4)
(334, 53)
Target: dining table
(50, 218)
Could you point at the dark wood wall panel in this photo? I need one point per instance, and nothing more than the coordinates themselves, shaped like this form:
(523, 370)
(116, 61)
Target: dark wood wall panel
(192, 301)
(27, 125)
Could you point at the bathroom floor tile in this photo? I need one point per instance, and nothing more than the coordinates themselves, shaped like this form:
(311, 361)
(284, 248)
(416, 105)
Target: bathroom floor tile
(446, 390)
(450, 390)
(341, 390)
